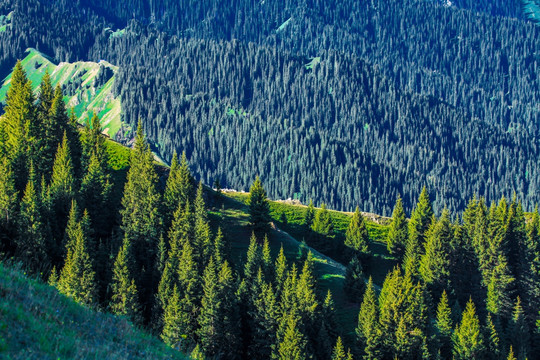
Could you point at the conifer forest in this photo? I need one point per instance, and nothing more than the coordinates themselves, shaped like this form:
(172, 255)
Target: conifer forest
(274, 179)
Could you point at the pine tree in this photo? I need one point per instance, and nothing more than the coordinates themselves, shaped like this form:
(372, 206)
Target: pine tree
(435, 263)
(266, 258)
(281, 270)
(219, 247)
(356, 236)
(78, 278)
(8, 207)
(444, 327)
(141, 221)
(368, 331)
(171, 333)
(533, 260)
(259, 208)
(264, 315)
(179, 187)
(209, 318)
(354, 280)
(31, 242)
(44, 145)
(124, 299)
(499, 300)
(421, 219)
(309, 216)
(493, 340)
(467, 338)
(18, 125)
(95, 193)
(511, 355)
(62, 192)
(202, 237)
(339, 351)
(398, 233)
(93, 144)
(293, 345)
(518, 331)
(323, 229)
(254, 259)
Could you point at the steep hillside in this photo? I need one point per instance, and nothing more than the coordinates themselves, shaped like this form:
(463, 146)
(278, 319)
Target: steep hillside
(36, 322)
(88, 87)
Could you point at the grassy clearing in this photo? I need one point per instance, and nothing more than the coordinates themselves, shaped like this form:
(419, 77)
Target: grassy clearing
(231, 213)
(36, 322)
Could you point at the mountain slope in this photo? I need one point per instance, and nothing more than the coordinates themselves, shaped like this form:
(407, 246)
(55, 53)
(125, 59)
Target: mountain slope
(36, 322)
(88, 87)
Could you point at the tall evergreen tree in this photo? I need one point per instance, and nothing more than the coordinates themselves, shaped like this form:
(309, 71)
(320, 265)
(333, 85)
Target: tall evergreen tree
(45, 145)
(179, 187)
(444, 327)
(398, 233)
(259, 209)
(518, 332)
(78, 278)
(368, 330)
(171, 333)
(124, 300)
(467, 339)
(141, 221)
(18, 124)
(309, 216)
(293, 345)
(421, 219)
(354, 280)
(8, 207)
(493, 340)
(31, 241)
(323, 229)
(356, 236)
(435, 263)
(254, 259)
(339, 351)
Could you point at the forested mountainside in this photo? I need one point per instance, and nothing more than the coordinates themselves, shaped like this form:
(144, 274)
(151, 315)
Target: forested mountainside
(216, 277)
(349, 103)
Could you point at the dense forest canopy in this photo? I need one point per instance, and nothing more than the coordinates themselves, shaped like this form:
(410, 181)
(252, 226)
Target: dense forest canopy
(348, 103)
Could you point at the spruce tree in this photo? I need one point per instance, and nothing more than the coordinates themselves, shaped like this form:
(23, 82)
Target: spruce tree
(264, 315)
(253, 261)
(210, 317)
(141, 221)
(444, 327)
(171, 333)
(467, 339)
(18, 125)
(78, 278)
(45, 146)
(435, 263)
(266, 258)
(356, 236)
(124, 300)
(202, 237)
(8, 207)
(323, 229)
(398, 232)
(511, 355)
(518, 331)
(354, 280)
(293, 345)
(31, 241)
(281, 270)
(339, 351)
(259, 208)
(421, 219)
(493, 340)
(368, 331)
(309, 216)
(179, 187)
(95, 194)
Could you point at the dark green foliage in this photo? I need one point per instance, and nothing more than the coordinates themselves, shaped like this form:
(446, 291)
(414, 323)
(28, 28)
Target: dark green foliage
(518, 332)
(435, 263)
(467, 339)
(259, 210)
(141, 220)
(444, 326)
(368, 330)
(398, 234)
(78, 278)
(309, 216)
(354, 280)
(19, 125)
(357, 237)
(125, 298)
(421, 219)
(179, 187)
(31, 241)
(8, 207)
(492, 336)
